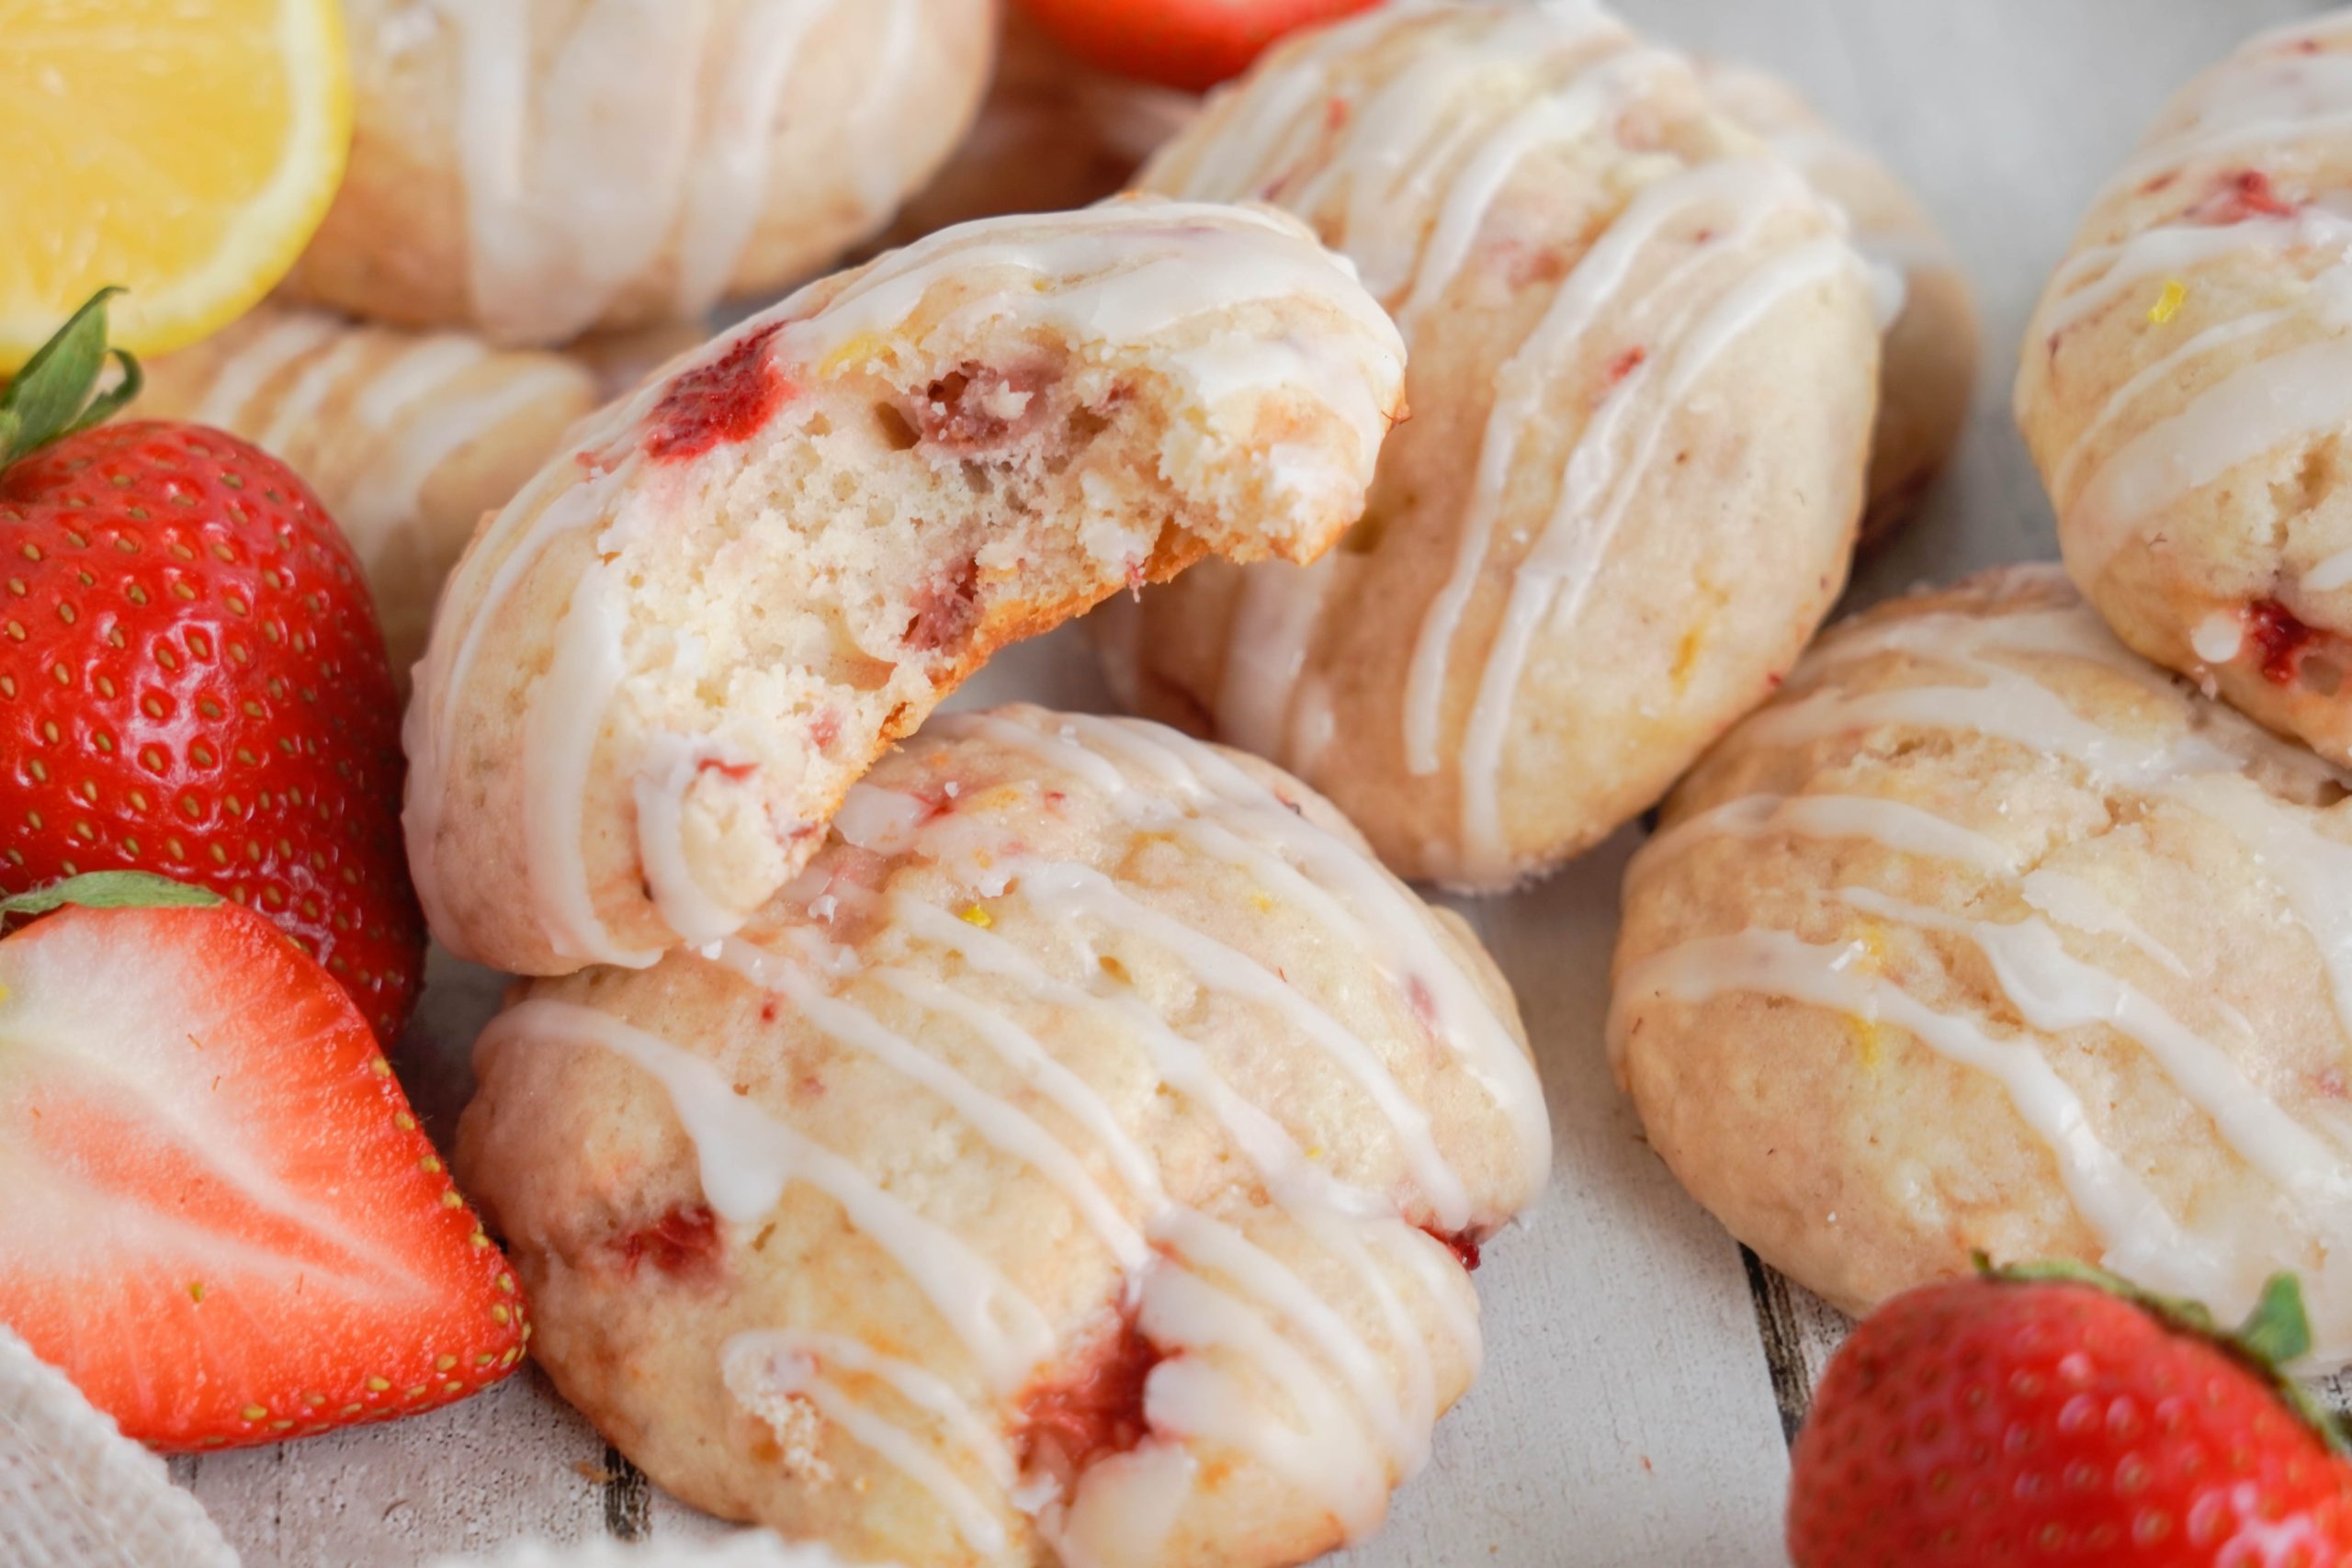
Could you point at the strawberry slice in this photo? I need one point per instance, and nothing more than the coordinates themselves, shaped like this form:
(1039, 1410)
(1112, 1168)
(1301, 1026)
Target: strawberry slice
(222, 1221)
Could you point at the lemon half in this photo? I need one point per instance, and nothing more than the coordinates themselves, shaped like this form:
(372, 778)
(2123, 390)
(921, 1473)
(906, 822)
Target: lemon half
(184, 149)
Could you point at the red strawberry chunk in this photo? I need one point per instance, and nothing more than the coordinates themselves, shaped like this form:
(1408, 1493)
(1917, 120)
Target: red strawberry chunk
(1094, 1410)
(223, 1222)
(719, 404)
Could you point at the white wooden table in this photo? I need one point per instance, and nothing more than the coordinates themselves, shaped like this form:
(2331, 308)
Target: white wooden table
(1643, 1374)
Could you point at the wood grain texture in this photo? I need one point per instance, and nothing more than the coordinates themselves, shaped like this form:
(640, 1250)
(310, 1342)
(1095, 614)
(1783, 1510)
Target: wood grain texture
(1643, 1374)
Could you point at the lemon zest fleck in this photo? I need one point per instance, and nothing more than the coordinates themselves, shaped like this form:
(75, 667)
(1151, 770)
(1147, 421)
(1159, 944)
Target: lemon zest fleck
(860, 346)
(976, 916)
(2168, 303)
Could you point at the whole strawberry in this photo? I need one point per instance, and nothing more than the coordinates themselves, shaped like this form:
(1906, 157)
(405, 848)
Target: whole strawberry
(191, 678)
(2055, 1414)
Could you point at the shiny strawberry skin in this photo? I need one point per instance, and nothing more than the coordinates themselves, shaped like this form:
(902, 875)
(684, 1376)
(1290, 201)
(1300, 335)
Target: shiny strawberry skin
(1191, 44)
(192, 682)
(1991, 1421)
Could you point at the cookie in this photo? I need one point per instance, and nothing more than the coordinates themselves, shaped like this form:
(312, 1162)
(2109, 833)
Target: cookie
(1927, 372)
(534, 169)
(2183, 387)
(1079, 1162)
(1605, 532)
(1052, 134)
(657, 670)
(407, 437)
(1990, 935)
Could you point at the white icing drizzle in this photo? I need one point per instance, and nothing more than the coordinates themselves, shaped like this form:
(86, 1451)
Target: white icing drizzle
(1229, 815)
(1603, 273)
(407, 413)
(2330, 574)
(672, 765)
(1124, 276)
(1552, 582)
(2295, 392)
(2265, 96)
(231, 401)
(2054, 992)
(2165, 372)
(724, 189)
(1232, 1320)
(1275, 615)
(2072, 901)
(1912, 829)
(763, 1367)
(2253, 109)
(998, 1122)
(748, 1158)
(296, 406)
(2094, 278)
(1898, 245)
(1992, 689)
(1404, 173)
(643, 134)
(2145, 1242)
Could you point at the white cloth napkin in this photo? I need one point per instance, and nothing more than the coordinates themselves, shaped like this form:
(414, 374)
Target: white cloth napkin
(75, 1493)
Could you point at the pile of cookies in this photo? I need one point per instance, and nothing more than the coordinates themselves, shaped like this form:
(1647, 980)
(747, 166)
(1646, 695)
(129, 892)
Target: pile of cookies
(1026, 1137)
(1050, 1137)
(2019, 922)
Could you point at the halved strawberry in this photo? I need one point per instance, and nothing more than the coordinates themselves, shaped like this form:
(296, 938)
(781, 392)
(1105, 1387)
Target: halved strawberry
(220, 1219)
(191, 678)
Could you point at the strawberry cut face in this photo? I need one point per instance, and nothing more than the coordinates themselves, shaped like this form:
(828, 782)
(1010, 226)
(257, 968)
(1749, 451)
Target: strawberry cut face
(222, 1220)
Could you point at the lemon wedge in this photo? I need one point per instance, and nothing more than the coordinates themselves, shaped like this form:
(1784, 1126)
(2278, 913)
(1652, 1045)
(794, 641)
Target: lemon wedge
(182, 149)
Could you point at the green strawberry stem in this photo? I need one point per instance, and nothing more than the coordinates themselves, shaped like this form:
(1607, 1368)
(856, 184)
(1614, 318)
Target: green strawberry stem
(57, 393)
(2276, 1332)
(109, 890)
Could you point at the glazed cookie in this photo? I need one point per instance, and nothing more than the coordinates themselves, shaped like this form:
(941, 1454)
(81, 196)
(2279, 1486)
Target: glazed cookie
(1077, 1163)
(2187, 387)
(1929, 359)
(656, 670)
(1054, 133)
(750, 1549)
(1603, 536)
(537, 168)
(1989, 935)
(408, 438)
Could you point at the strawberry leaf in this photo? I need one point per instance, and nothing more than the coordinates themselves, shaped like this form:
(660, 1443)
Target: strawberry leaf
(57, 393)
(2280, 1331)
(109, 890)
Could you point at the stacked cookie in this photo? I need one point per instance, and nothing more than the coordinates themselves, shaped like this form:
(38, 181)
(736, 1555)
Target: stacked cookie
(1021, 1138)
(2019, 923)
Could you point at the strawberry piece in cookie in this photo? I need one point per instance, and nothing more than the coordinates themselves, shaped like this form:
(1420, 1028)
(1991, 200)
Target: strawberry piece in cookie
(725, 401)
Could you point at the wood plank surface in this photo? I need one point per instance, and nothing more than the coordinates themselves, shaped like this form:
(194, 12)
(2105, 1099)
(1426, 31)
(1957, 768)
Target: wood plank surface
(1643, 1373)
